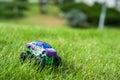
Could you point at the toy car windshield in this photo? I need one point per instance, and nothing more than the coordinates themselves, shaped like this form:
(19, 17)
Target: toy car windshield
(46, 46)
(37, 44)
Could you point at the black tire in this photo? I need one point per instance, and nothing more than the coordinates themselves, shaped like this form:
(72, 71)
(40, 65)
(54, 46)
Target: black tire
(57, 61)
(24, 56)
(42, 65)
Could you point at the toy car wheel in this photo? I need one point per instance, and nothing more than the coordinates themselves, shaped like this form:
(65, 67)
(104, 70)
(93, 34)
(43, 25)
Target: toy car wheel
(57, 61)
(24, 56)
(42, 65)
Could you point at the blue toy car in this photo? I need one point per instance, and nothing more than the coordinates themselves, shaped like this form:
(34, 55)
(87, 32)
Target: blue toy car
(41, 51)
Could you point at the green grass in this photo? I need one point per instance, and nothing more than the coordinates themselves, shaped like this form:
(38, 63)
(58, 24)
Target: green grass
(86, 54)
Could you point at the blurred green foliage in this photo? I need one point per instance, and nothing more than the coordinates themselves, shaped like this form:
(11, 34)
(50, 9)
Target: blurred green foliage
(62, 2)
(93, 12)
(76, 18)
(14, 8)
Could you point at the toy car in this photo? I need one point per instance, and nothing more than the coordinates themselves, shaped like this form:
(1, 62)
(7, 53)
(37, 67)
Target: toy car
(43, 52)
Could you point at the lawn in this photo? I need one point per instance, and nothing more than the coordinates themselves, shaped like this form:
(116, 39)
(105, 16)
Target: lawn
(86, 54)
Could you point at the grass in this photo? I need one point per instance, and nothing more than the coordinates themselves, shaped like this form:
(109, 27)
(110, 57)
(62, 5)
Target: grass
(86, 54)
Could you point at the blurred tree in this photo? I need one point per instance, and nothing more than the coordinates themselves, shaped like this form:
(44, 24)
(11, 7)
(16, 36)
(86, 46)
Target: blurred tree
(43, 5)
(58, 2)
(77, 18)
(61, 2)
(93, 13)
(11, 9)
(117, 4)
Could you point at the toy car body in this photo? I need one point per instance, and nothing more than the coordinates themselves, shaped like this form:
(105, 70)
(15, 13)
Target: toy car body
(42, 51)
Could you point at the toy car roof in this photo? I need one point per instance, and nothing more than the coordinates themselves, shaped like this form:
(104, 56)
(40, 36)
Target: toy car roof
(38, 44)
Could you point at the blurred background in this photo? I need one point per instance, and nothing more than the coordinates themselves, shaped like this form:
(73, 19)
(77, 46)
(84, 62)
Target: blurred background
(61, 13)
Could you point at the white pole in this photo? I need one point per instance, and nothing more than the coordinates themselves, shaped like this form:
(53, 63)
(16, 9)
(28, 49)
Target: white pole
(102, 16)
